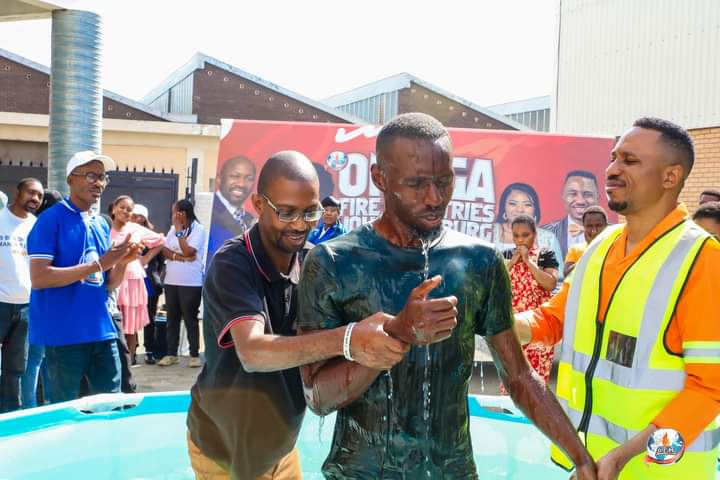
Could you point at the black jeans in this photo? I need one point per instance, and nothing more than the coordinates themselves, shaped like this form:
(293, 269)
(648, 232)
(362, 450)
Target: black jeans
(14, 340)
(182, 302)
(154, 334)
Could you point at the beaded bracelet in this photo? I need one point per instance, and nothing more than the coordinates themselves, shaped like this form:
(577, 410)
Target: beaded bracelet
(346, 342)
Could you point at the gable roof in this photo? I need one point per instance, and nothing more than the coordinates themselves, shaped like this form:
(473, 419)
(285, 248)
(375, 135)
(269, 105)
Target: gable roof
(106, 93)
(403, 80)
(198, 61)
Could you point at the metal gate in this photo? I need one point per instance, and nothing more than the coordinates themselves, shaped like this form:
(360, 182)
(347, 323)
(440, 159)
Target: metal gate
(156, 190)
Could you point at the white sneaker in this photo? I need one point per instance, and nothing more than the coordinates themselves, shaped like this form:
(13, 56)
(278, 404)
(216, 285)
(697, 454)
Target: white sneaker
(168, 360)
(194, 362)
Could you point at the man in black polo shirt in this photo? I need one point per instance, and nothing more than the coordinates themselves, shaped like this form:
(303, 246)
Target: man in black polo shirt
(247, 403)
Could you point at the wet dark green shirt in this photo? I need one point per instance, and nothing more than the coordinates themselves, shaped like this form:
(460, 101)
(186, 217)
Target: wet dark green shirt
(383, 433)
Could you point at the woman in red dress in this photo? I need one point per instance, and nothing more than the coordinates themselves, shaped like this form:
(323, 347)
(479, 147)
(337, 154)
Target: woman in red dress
(533, 276)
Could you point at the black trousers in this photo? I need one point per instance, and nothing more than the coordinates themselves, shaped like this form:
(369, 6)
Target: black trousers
(182, 303)
(154, 334)
(14, 351)
(127, 385)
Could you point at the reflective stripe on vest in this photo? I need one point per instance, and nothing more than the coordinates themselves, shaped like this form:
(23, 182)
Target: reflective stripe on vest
(631, 377)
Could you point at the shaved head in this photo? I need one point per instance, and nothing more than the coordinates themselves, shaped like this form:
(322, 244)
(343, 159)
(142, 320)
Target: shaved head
(287, 164)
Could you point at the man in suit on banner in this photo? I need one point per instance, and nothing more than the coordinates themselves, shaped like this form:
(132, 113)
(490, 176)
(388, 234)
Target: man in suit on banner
(229, 218)
(580, 191)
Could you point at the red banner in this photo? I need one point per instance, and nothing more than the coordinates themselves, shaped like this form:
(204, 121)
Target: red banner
(486, 163)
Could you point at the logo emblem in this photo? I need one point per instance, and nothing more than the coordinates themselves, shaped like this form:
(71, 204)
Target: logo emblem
(337, 160)
(665, 446)
(95, 279)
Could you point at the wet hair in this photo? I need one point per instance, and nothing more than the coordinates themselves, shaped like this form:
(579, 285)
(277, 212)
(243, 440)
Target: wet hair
(186, 207)
(117, 200)
(709, 210)
(288, 164)
(413, 125)
(673, 136)
(520, 187)
(235, 161)
(50, 198)
(595, 209)
(583, 174)
(27, 181)
(525, 220)
(712, 192)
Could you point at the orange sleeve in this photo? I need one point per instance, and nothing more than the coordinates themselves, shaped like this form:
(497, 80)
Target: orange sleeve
(573, 255)
(696, 320)
(546, 321)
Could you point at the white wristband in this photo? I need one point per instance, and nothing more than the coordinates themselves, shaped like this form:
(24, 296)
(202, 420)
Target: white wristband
(346, 342)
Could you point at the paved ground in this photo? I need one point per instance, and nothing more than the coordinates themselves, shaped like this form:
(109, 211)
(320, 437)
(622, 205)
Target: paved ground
(151, 378)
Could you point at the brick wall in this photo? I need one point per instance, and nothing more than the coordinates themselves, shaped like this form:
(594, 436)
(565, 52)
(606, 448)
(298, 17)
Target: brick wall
(221, 94)
(26, 90)
(706, 171)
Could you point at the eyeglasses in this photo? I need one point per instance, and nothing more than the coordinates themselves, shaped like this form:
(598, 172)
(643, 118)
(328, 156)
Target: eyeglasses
(421, 184)
(289, 217)
(92, 177)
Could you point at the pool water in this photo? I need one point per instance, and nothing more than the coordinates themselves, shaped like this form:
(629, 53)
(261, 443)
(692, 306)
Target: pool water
(143, 437)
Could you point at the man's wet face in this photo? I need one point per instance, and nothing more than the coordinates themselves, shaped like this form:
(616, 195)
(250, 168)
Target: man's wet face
(420, 182)
(237, 182)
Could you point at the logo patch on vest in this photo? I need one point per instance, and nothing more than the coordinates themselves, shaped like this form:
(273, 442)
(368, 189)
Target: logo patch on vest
(621, 349)
(665, 446)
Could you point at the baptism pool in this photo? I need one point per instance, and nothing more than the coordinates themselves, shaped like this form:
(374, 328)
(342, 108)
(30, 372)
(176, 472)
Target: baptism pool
(142, 436)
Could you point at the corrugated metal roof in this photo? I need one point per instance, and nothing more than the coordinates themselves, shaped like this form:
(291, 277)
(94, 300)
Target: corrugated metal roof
(198, 61)
(106, 93)
(521, 106)
(403, 80)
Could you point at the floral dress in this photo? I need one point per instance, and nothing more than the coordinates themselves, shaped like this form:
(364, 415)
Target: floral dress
(527, 295)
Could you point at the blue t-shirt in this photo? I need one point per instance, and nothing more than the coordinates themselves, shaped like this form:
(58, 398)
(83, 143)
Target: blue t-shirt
(76, 313)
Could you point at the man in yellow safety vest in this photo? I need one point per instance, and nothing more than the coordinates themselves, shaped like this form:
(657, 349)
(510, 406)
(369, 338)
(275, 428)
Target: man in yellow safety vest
(639, 372)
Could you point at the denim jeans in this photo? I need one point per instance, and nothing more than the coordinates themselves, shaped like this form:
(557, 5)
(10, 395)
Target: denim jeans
(36, 354)
(13, 337)
(98, 362)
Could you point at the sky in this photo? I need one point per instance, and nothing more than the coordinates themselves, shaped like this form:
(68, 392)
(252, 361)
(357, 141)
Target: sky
(486, 51)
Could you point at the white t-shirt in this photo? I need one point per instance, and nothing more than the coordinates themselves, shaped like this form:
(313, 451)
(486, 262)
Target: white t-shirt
(14, 262)
(186, 274)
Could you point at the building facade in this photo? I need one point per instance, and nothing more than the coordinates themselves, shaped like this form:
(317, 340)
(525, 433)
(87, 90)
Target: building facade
(618, 61)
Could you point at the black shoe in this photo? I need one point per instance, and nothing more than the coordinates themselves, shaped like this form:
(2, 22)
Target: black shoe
(149, 359)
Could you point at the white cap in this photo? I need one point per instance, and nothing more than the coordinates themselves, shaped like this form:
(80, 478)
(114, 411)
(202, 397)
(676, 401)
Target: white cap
(141, 210)
(82, 158)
